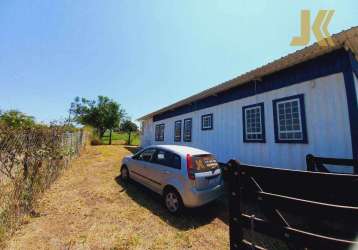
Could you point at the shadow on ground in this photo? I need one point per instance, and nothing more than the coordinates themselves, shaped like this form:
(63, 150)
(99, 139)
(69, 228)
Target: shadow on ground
(189, 219)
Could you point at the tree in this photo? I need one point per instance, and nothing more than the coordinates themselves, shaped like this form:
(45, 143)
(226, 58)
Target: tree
(103, 114)
(16, 119)
(128, 126)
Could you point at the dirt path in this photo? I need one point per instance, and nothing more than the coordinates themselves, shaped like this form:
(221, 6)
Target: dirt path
(88, 209)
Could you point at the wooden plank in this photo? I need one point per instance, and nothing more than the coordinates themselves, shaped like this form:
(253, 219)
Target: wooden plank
(300, 237)
(309, 208)
(262, 226)
(311, 240)
(316, 163)
(332, 188)
(249, 246)
(336, 161)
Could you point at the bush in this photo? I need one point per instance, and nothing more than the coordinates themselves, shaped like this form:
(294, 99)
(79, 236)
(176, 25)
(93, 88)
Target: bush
(31, 159)
(96, 142)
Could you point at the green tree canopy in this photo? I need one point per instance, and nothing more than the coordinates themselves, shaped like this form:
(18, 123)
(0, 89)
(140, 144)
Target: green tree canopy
(102, 114)
(128, 126)
(15, 118)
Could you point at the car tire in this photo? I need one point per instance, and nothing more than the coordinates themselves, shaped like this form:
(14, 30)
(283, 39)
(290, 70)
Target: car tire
(173, 201)
(125, 174)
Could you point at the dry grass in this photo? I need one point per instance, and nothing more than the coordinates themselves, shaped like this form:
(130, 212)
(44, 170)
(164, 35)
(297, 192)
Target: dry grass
(87, 208)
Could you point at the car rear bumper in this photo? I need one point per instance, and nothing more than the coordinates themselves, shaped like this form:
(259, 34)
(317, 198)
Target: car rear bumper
(196, 198)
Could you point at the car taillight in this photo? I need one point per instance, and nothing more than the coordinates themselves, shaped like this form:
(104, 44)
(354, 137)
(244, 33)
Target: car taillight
(189, 167)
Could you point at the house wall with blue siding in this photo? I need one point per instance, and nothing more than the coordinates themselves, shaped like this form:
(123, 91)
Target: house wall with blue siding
(326, 117)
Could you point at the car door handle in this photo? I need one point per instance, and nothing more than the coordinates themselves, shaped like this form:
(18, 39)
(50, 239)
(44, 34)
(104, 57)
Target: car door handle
(165, 172)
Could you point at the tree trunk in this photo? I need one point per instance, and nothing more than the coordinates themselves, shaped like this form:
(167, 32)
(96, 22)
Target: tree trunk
(101, 132)
(129, 138)
(110, 137)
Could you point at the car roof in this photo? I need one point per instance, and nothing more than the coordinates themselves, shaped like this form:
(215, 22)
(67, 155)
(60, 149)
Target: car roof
(182, 150)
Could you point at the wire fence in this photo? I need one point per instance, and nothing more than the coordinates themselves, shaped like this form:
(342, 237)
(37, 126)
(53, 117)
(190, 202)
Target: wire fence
(30, 160)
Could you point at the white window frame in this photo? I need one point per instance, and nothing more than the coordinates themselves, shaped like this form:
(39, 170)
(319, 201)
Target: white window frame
(177, 138)
(159, 134)
(260, 107)
(210, 125)
(279, 131)
(246, 124)
(185, 139)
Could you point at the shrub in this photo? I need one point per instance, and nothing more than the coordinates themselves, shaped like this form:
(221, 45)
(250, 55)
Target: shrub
(31, 159)
(96, 142)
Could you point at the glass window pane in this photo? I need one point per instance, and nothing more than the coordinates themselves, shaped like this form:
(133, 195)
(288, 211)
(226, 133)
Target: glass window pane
(253, 123)
(289, 120)
(298, 135)
(187, 130)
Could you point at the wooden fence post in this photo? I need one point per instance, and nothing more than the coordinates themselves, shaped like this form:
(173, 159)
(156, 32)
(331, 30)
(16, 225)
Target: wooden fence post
(236, 233)
(310, 162)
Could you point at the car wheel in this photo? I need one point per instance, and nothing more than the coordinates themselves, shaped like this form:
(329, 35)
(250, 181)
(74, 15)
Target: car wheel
(173, 201)
(124, 174)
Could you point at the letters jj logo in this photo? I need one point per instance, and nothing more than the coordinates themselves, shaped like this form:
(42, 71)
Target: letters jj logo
(322, 21)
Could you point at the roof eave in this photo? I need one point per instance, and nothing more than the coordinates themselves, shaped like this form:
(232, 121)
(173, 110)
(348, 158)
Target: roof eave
(347, 39)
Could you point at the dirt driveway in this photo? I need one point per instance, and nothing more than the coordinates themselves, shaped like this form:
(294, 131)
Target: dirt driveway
(87, 208)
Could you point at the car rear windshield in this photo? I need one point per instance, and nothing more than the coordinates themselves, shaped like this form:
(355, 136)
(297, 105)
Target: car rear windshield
(204, 163)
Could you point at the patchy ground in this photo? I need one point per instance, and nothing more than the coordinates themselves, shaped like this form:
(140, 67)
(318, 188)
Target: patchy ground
(88, 208)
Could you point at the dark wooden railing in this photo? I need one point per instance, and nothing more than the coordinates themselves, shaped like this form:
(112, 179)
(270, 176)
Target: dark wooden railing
(316, 164)
(301, 209)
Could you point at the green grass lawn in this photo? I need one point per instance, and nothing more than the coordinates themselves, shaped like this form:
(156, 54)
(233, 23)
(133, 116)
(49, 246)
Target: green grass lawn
(121, 138)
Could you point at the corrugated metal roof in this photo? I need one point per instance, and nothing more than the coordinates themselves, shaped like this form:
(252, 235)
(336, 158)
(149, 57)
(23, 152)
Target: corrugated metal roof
(347, 39)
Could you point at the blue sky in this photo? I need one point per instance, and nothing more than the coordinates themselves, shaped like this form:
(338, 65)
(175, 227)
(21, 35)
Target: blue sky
(143, 54)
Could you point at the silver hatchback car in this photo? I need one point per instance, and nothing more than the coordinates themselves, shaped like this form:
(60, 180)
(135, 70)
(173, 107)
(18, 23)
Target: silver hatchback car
(184, 176)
